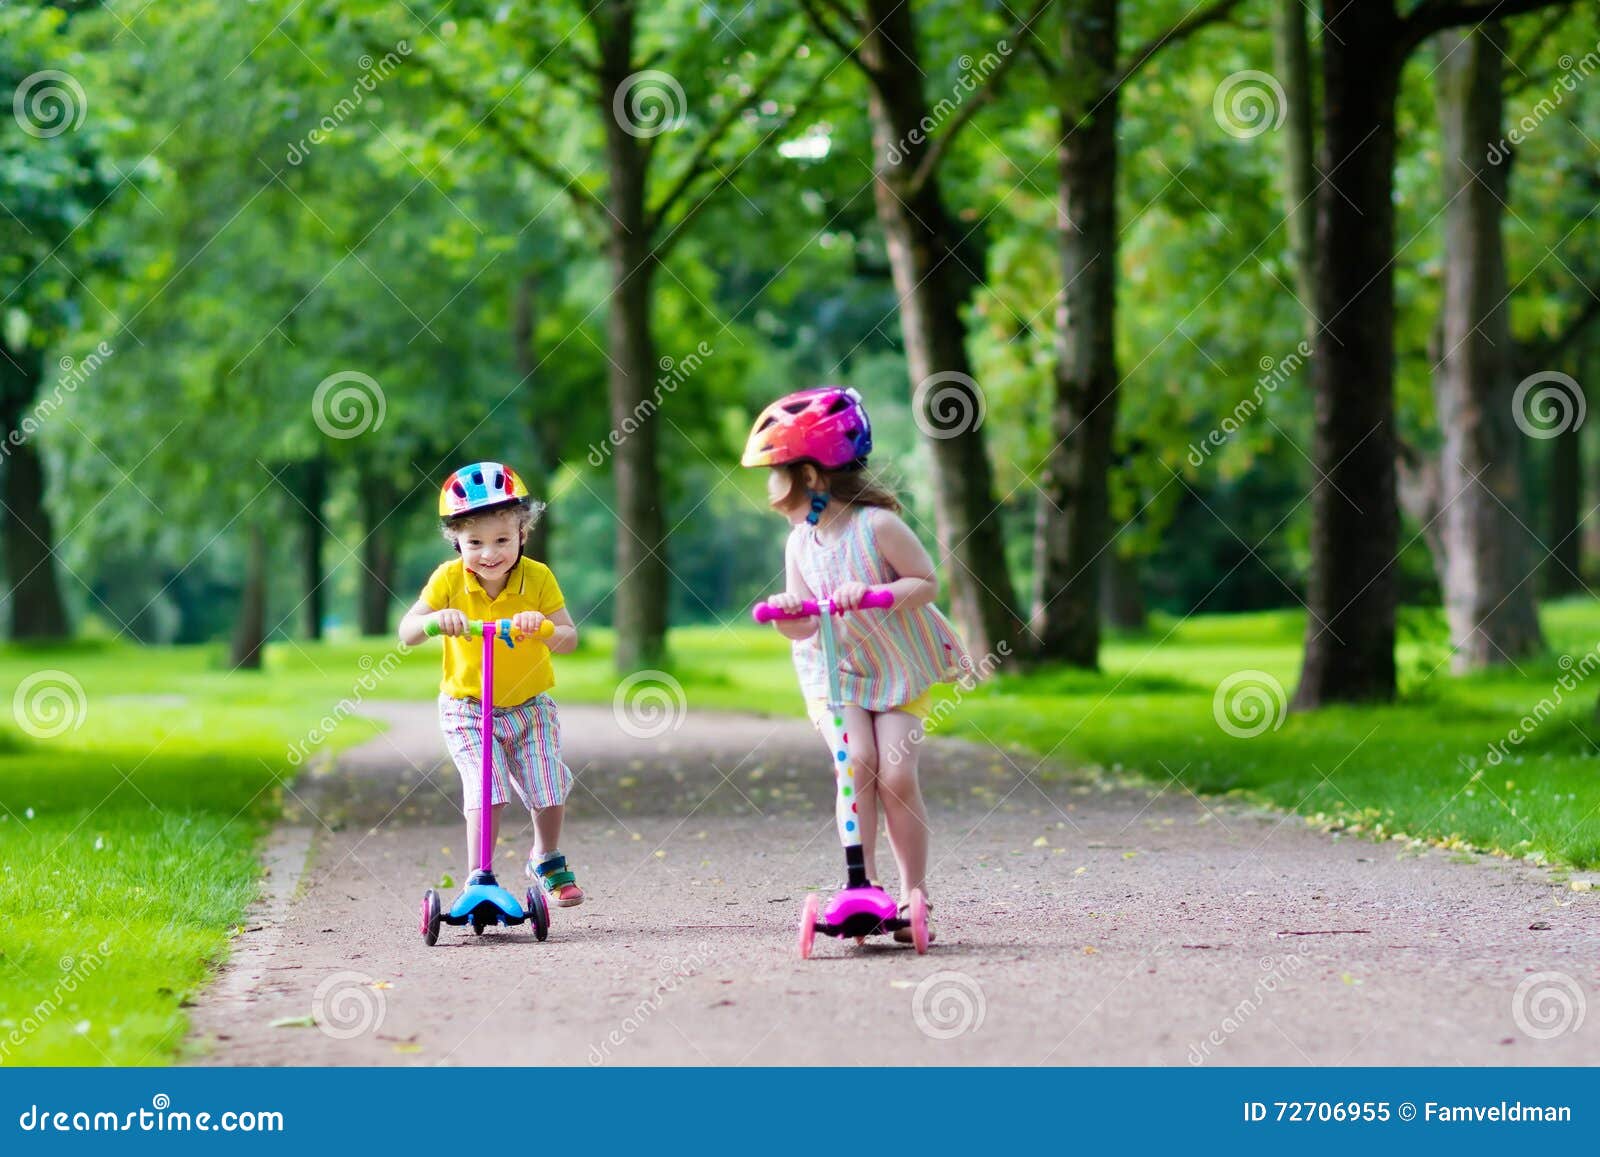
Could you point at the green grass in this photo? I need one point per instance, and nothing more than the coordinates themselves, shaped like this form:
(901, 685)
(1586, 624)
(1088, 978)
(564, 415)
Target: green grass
(127, 844)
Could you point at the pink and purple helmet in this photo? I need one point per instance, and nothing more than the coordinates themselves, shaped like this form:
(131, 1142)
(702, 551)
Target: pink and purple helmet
(827, 426)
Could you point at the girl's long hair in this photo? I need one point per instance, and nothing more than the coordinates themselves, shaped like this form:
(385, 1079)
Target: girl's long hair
(858, 486)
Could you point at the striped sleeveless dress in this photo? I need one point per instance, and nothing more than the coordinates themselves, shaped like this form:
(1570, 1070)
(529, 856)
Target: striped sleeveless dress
(886, 658)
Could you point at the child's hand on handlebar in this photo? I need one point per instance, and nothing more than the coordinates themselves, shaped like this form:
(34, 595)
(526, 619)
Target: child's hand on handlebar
(526, 622)
(451, 622)
(848, 596)
(788, 603)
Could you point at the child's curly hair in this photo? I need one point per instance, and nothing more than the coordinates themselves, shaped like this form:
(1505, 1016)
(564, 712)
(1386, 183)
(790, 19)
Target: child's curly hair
(524, 512)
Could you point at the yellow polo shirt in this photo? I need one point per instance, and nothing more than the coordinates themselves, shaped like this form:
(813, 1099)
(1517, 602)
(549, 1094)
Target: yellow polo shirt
(520, 672)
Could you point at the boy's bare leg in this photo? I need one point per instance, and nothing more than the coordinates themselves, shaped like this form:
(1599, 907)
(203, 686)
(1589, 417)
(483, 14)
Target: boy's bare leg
(472, 835)
(547, 830)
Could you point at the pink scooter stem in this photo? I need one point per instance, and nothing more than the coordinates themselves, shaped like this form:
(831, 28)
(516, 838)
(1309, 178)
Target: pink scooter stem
(490, 629)
(485, 826)
(873, 599)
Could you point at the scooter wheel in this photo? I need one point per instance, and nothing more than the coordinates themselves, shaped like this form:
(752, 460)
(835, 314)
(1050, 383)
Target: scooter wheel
(919, 921)
(808, 924)
(538, 913)
(477, 926)
(430, 917)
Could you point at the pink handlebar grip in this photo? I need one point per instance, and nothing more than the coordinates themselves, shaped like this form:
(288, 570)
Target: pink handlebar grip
(873, 599)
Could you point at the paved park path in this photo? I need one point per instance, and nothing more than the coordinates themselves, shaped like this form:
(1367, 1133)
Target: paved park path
(1079, 923)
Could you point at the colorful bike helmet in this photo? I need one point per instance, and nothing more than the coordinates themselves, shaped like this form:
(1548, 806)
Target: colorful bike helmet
(481, 487)
(827, 426)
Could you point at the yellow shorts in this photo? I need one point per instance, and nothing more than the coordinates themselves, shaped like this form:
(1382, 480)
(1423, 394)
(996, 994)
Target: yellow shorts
(919, 707)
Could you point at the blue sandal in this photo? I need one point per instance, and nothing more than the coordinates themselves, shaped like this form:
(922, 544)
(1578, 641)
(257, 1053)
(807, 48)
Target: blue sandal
(557, 880)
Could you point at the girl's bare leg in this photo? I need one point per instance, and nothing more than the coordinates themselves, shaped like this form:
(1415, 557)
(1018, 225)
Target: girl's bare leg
(899, 735)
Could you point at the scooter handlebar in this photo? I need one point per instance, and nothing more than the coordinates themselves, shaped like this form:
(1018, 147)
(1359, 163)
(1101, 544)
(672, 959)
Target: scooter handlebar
(501, 627)
(872, 600)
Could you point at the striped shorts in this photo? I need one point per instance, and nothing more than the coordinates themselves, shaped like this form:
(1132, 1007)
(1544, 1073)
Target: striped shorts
(526, 756)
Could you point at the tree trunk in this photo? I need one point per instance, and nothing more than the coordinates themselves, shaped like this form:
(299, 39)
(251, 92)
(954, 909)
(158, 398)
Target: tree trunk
(27, 536)
(641, 593)
(249, 632)
(1488, 564)
(1291, 53)
(537, 472)
(1121, 598)
(376, 587)
(929, 280)
(1072, 525)
(1563, 570)
(313, 497)
(1350, 630)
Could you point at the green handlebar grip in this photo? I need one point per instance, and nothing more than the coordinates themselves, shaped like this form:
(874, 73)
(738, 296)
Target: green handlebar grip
(431, 627)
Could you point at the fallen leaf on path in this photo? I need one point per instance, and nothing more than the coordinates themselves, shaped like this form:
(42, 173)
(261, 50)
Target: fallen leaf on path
(294, 1022)
(1041, 842)
(1582, 885)
(407, 1048)
(1539, 926)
